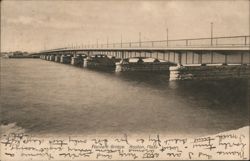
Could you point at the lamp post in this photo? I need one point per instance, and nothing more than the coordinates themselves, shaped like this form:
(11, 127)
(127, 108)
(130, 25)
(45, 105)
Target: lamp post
(167, 36)
(212, 26)
(107, 42)
(121, 40)
(139, 39)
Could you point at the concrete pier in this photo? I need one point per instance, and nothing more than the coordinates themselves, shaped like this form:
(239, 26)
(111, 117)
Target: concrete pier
(99, 61)
(77, 60)
(57, 58)
(52, 58)
(85, 62)
(209, 72)
(47, 57)
(140, 65)
(66, 59)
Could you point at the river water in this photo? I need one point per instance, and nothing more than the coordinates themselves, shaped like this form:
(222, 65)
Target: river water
(45, 97)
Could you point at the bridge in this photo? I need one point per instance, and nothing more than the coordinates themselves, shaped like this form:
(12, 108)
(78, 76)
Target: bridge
(174, 55)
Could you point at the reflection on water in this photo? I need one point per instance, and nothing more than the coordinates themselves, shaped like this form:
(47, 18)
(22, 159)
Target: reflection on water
(51, 98)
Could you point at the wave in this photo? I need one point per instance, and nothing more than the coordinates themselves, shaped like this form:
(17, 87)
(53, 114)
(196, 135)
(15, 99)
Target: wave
(11, 128)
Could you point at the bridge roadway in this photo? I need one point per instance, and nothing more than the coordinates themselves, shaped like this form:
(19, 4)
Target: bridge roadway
(150, 49)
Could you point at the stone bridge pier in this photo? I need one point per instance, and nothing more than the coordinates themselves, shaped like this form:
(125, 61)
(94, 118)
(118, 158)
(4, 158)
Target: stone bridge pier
(52, 57)
(57, 58)
(78, 59)
(47, 57)
(66, 58)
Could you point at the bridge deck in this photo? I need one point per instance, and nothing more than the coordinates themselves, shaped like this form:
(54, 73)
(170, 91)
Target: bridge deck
(212, 48)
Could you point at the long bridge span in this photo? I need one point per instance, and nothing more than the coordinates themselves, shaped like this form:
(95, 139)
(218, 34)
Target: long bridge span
(204, 52)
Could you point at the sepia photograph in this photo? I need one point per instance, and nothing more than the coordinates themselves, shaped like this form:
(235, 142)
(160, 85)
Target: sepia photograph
(124, 80)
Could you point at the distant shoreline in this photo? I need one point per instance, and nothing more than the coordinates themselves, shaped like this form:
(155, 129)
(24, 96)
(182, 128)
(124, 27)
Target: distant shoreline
(20, 57)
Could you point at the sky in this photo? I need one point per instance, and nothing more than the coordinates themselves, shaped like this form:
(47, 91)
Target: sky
(34, 25)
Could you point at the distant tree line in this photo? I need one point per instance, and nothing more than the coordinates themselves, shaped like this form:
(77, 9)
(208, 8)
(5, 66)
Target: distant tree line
(14, 53)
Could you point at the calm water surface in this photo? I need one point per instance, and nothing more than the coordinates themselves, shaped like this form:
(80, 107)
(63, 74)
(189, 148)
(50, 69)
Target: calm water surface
(50, 98)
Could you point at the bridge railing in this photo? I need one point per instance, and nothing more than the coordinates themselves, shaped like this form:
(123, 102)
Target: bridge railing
(232, 41)
(197, 42)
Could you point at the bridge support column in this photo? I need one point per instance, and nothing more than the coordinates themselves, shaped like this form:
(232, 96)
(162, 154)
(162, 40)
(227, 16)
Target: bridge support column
(212, 57)
(122, 54)
(57, 58)
(85, 62)
(77, 60)
(164, 55)
(47, 57)
(200, 58)
(179, 60)
(225, 63)
(52, 58)
(65, 59)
